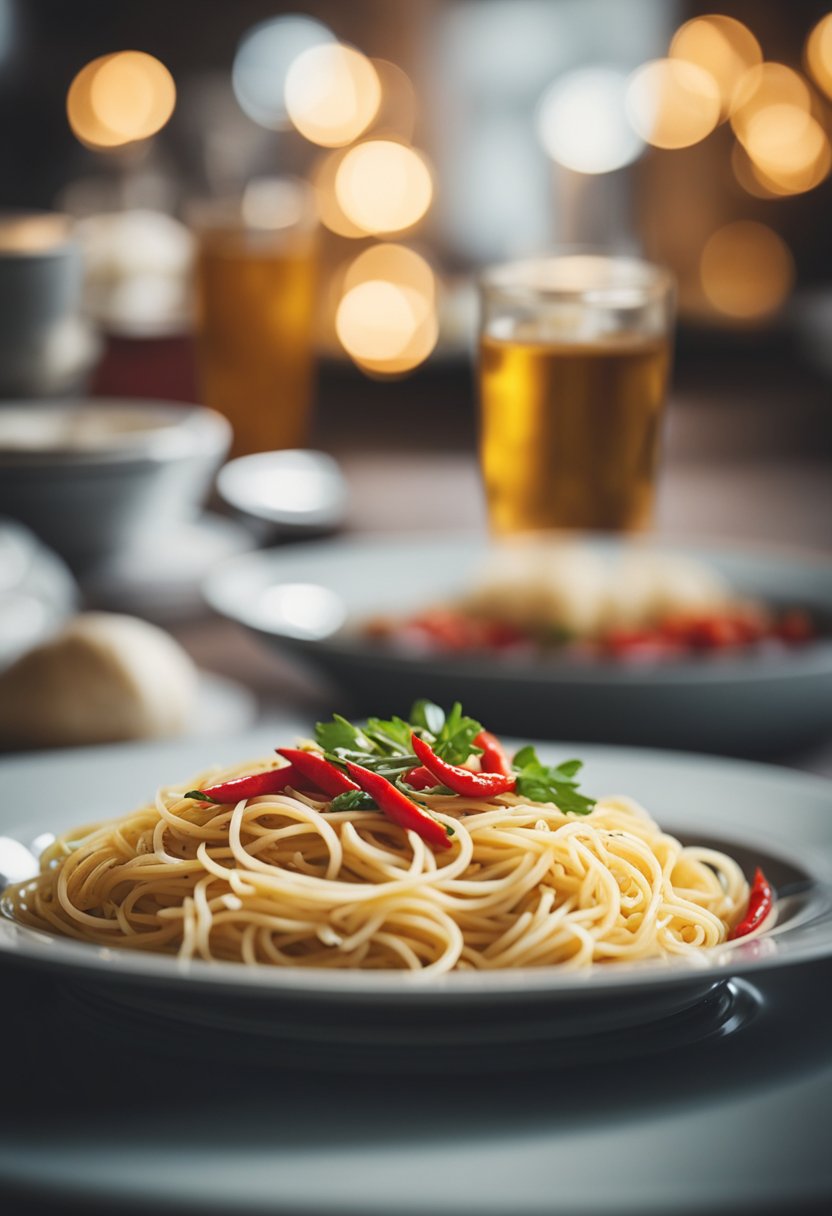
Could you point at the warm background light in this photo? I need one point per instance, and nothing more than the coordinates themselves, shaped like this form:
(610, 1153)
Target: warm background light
(398, 110)
(723, 47)
(819, 53)
(788, 148)
(393, 264)
(386, 328)
(768, 84)
(332, 94)
(263, 61)
(672, 103)
(330, 211)
(119, 99)
(582, 122)
(746, 271)
(383, 186)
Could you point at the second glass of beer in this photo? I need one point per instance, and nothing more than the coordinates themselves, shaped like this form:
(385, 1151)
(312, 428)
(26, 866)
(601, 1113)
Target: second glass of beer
(255, 298)
(573, 368)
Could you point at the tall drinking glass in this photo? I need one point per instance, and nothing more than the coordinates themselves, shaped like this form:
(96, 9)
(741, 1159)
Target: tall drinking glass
(574, 360)
(255, 296)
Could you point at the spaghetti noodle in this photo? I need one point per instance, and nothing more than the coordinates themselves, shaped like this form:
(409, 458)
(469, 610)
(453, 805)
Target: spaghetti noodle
(282, 879)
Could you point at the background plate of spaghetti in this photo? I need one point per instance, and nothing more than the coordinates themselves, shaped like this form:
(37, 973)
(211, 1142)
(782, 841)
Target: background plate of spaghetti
(316, 602)
(757, 815)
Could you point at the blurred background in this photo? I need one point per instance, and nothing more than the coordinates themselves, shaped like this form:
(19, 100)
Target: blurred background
(303, 195)
(438, 137)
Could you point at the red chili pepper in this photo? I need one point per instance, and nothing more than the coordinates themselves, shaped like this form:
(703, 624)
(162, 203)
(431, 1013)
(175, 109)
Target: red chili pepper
(493, 758)
(420, 779)
(795, 626)
(318, 771)
(760, 903)
(398, 807)
(461, 780)
(642, 645)
(272, 781)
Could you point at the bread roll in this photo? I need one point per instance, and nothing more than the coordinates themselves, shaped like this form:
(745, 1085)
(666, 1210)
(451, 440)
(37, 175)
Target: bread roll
(103, 678)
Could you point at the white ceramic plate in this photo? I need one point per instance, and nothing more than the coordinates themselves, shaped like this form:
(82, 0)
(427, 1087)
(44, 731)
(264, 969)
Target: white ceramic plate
(777, 817)
(309, 599)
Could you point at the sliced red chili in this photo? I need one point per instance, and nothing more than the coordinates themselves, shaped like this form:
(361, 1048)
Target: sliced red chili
(760, 903)
(398, 807)
(272, 781)
(420, 779)
(493, 758)
(318, 771)
(460, 780)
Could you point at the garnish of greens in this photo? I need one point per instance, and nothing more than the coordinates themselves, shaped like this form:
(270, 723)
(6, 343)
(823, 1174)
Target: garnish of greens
(384, 746)
(385, 764)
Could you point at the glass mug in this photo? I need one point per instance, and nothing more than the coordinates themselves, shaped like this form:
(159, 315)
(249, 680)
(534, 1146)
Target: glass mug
(256, 277)
(574, 361)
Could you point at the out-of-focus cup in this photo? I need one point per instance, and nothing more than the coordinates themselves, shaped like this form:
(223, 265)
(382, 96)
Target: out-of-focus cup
(46, 347)
(255, 297)
(94, 478)
(574, 359)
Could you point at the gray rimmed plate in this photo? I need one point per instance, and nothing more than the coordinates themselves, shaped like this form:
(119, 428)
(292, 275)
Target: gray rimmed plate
(310, 601)
(760, 814)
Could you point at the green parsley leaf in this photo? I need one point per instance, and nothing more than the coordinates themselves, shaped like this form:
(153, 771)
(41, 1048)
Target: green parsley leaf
(392, 736)
(542, 783)
(339, 733)
(455, 741)
(427, 716)
(352, 800)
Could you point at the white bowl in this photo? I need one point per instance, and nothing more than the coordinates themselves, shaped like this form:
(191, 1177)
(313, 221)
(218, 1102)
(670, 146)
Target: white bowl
(91, 477)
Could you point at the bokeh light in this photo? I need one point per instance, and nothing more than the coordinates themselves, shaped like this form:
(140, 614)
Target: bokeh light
(330, 211)
(819, 53)
(582, 121)
(788, 148)
(767, 84)
(263, 61)
(672, 103)
(386, 328)
(722, 46)
(399, 109)
(746, 271)
(332, 94)
(119, 99)
(393, 264)
(746, 174)
(383, 186)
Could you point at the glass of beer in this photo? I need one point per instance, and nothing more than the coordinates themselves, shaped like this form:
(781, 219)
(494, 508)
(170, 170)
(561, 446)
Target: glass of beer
(255, 300)
(574, 360)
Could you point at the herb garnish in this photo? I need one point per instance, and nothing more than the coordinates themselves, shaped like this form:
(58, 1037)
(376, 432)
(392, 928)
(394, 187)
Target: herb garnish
(384, 746)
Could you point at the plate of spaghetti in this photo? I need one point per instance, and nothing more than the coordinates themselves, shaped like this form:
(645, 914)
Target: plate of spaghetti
(721, 648)
(410, 863)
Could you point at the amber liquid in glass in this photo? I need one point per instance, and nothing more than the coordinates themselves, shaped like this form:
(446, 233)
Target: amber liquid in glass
(255, 317)
(570, 431)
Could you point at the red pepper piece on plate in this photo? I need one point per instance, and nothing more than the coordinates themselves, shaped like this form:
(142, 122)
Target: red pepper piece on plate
(398, 807)
(461, 780)
(420, 779)
(272, 781)
(760, 903)
(642, 645)
(493, 758)
(317, 771)
(795, 626)
(716, 632)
